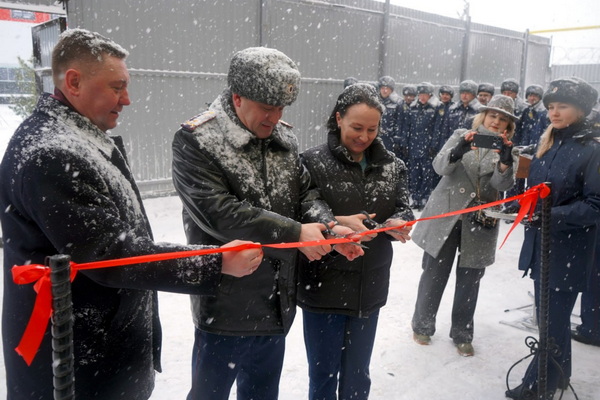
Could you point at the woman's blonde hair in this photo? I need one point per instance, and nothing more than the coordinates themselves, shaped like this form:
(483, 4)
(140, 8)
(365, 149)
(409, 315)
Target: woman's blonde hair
(478, 121)
(546, 141)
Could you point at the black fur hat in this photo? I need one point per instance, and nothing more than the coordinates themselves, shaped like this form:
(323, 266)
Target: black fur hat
(387, 81)
(487, 88)
(264, 75)
(573, 91)
(425, 88)
(534, 89)
(409, 89)
(468, 86)
(510, 84)
(446, 89)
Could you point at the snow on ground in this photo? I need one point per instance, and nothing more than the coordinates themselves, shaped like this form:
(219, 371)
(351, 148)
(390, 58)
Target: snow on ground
(400, 369)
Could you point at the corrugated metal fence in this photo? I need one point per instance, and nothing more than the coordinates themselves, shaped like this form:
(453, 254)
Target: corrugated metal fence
(180, 52)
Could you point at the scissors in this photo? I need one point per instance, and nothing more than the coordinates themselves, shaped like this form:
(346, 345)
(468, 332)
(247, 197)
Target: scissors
(329, 231)
(370, 223)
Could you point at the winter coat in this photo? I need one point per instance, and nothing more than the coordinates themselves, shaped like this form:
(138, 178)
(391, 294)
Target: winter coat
(234, 185)
(572, 167)
(334, 284)
(66, 188)
(531, 126)
(458, 117)
(423, 126)
(389, 122)
(457, 190)
(402, 131)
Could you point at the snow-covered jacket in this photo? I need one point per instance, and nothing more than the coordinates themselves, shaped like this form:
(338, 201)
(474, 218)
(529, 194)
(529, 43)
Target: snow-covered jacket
(572, 167)
(402, 131)
(532, 124)
(459, 116)
(334, 284)
(67, 189)
(424, 123)
(389, 122)
(236, 186)
(457, 190)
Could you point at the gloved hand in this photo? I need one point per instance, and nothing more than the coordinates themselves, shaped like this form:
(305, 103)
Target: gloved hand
(530, 149)
(536, 221)
(459, 150)
(506, 154)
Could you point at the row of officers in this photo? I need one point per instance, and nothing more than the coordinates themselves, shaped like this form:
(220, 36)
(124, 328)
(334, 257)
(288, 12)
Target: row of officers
(417, 123)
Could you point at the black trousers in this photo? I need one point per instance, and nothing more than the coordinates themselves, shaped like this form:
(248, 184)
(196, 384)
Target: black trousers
(436, 272)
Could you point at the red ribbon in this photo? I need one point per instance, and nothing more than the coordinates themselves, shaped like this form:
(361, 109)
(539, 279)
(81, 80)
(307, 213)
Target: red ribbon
(40, 274)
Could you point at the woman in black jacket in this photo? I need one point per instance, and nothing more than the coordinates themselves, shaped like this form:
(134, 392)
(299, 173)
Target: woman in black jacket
(340, 298)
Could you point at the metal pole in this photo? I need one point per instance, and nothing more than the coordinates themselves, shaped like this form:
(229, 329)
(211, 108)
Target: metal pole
(383, 43)
(62, 328)
(544, 297)
(524, 57)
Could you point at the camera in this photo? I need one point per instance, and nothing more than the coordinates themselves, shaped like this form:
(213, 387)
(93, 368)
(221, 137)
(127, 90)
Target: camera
(487, 141)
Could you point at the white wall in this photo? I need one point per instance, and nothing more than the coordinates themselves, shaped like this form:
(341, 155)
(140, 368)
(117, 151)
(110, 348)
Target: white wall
(16, 42)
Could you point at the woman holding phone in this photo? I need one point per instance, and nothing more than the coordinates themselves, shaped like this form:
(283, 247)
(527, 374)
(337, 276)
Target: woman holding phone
(470, 176)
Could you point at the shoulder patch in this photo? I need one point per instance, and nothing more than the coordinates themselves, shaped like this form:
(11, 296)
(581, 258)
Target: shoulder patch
(191, 124)
(285, 124)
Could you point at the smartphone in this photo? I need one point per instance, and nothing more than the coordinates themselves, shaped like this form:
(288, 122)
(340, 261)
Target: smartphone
(487, 141)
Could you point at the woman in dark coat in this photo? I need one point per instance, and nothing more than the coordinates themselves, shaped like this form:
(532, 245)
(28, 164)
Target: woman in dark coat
(468, 175)
(568, 157)
(340, 298)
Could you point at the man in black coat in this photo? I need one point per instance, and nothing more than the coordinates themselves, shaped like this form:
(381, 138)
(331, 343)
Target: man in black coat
(237, 170)
(66, 188)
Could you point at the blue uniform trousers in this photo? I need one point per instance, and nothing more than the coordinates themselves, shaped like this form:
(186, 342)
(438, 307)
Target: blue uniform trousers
(560, 307)
(338, 348)
(218, 360)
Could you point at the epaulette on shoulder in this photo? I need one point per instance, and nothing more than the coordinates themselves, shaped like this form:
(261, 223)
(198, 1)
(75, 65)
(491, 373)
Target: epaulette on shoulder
(285, 124)
(191, 124)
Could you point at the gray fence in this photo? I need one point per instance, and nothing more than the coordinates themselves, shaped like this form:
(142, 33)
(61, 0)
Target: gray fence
(589, 72)
(180, 52)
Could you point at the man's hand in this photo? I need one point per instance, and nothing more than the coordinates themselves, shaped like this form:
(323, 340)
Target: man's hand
(401, 234)
(241, 263)
(356, 223)
(349, 250)
(310, 232)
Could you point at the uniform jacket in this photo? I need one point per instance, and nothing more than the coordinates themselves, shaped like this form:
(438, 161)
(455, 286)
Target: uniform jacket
(572, 167)
(334, 284)
(458, 190)
(389, 122)
(424, 123)
(402, 133)
(66, 188)
(531, 126)
(459, 117)
(234, 185)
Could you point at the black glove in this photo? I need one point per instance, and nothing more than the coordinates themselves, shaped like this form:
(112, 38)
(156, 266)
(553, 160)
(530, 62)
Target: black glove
(506, 155)
(536, 221)
(527, 149)
(459, 150)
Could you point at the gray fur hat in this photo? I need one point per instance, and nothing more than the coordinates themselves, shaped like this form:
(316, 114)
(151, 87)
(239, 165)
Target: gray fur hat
(468, 86)
(534, 89)
(487, 88)
(264, 75)
(446, 89)
(573, 91)
(502, 104)
(425, 87)
(409, 89)
(510, 84)
(387, 81)
(350, 81)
